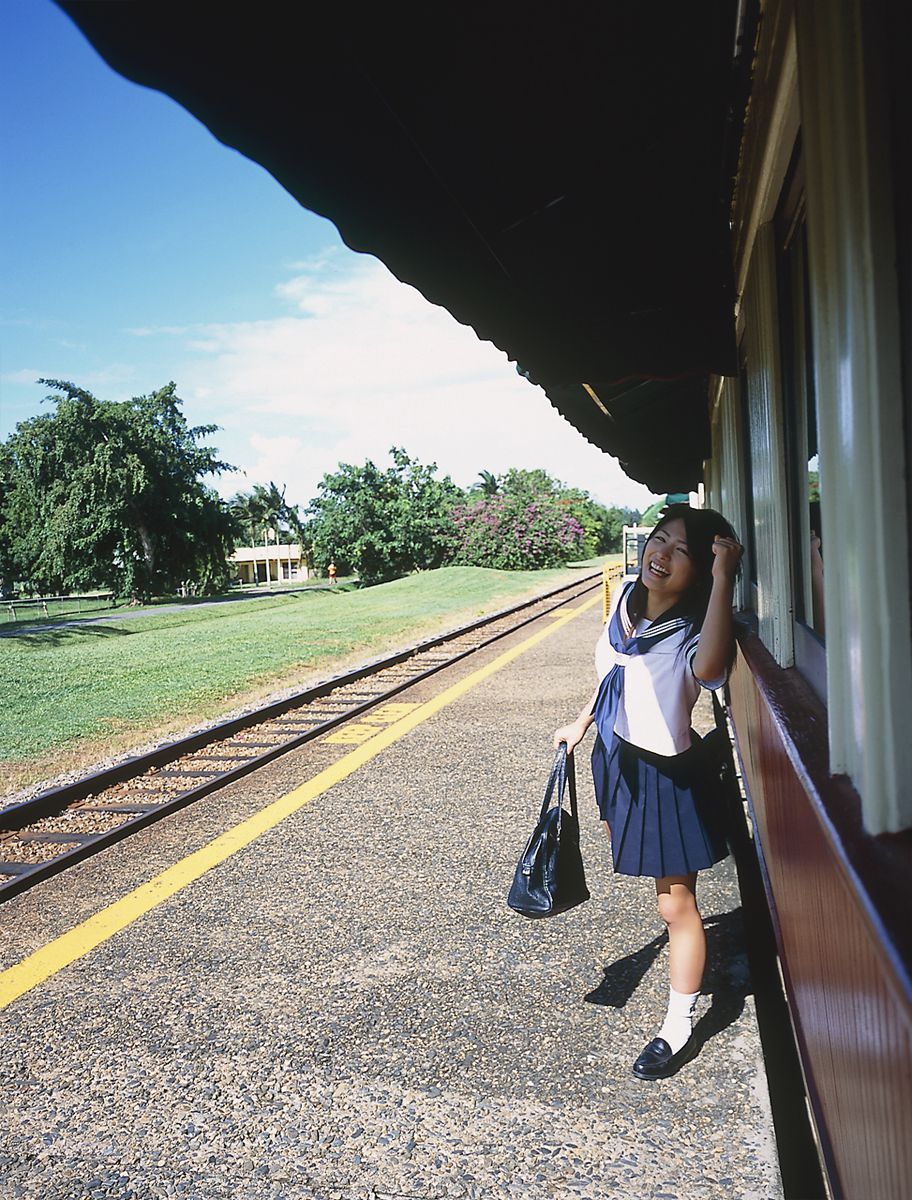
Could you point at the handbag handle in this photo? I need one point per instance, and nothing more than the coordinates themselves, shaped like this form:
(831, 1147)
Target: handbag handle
(719, 713)
(563, 775)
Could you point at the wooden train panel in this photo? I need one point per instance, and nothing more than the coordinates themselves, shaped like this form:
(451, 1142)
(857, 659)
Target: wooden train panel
(850, 1003)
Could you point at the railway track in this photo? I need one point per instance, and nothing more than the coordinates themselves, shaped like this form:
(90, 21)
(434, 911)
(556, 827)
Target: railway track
(44, 835)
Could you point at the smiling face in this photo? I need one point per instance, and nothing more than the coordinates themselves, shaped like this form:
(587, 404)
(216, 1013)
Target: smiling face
(668, 570)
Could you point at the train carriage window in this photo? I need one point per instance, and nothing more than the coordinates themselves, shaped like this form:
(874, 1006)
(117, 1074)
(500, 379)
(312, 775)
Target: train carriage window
(750, 544)
(807, 536)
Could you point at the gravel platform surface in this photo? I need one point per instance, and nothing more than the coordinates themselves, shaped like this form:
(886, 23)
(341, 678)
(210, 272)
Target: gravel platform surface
(346, 1010)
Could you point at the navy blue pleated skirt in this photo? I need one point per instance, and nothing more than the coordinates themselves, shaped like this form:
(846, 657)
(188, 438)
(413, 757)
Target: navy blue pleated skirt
(665, 814)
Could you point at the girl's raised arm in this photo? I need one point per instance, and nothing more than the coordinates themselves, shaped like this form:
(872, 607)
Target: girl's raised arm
(713, 653)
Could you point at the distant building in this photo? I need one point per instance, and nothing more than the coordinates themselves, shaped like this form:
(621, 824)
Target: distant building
(272, 564)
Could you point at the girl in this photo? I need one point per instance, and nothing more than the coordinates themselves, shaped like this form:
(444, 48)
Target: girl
(668, 633)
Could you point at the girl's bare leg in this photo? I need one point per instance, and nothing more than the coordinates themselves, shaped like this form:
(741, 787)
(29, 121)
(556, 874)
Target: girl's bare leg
(674, 1044)
(677, 899)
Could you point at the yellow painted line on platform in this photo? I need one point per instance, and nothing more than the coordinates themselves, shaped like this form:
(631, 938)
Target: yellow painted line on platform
(15, 981)
(355, 732)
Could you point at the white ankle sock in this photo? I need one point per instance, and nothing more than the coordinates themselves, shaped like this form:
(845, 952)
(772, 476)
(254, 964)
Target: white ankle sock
(678, 1024)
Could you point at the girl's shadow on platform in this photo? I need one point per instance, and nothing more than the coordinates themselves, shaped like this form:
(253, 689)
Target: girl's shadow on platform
(727, 978)
(623, 976)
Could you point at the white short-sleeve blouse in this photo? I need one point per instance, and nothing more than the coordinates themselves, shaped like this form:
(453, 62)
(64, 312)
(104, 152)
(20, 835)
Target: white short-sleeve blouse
(660, 688)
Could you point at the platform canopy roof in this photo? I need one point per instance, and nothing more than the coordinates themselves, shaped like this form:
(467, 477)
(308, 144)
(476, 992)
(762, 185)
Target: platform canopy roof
(558, 176)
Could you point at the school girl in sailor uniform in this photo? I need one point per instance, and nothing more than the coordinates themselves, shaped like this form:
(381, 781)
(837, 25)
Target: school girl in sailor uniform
(668, 634)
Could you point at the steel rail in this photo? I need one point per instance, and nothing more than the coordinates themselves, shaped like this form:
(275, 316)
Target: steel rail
(15, 818)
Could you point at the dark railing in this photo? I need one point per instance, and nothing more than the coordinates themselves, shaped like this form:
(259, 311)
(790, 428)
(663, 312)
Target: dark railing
(19, 610)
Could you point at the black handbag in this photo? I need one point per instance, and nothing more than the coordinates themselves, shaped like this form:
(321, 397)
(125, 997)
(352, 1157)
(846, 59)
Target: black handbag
(549, 877)
(717, 753)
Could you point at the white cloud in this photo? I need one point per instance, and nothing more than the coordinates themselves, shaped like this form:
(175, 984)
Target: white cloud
(26, 375)
(143, 331)
(364, 362)
(112, 375)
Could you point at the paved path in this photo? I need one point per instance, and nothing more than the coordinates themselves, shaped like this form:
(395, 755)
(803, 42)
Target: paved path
(346, 1008)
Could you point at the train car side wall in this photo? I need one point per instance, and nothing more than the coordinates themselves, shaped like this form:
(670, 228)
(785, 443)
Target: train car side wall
(810, 457)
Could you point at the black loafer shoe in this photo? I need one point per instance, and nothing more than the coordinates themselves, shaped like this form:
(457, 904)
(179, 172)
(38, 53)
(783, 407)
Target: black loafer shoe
(658, 1062)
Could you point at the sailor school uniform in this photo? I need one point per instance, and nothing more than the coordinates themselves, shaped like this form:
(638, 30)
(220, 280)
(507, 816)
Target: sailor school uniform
(651, 782)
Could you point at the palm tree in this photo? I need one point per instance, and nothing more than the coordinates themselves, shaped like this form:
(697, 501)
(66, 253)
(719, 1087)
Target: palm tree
(265, 508)
(489, 485)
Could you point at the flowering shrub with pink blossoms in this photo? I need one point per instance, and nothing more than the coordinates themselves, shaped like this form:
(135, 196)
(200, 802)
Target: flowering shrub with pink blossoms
(513, 533)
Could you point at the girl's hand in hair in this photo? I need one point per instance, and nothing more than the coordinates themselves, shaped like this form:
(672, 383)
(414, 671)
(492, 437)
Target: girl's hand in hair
(726, 556)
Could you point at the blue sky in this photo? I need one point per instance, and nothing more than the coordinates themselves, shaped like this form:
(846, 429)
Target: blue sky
(136, 249)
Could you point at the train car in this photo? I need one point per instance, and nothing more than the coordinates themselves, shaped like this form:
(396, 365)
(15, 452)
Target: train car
(633, 538)
(690, 225)
(810, 456)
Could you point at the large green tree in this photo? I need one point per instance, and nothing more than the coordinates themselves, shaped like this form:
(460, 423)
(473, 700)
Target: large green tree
(604, 525)
(532, 484)
(102, 493)
(381, 524)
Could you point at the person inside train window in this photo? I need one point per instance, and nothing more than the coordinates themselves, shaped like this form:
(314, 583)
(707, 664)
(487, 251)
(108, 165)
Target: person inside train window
(669, 633)
(816, 571)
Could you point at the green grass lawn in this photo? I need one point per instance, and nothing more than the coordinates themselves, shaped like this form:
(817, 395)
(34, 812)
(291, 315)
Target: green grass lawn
(112, 685)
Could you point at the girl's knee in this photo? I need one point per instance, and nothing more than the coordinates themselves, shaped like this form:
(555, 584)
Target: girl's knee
(673, 910)
(677, 903)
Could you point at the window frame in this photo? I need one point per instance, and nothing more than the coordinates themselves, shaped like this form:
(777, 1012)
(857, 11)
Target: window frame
(799, 396)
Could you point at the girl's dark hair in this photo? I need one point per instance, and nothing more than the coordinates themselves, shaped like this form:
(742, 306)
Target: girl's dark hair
(702, 525)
